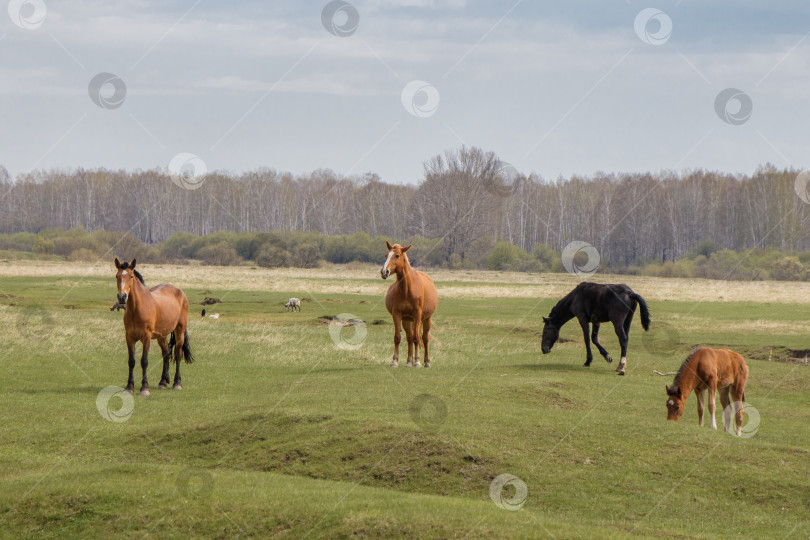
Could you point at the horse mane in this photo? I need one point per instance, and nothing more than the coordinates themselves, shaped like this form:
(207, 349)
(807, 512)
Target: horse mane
(125, 265)
(677, 380)
(562, 308)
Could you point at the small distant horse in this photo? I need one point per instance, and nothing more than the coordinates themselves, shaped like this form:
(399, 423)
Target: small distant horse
(293, 303)
(713, 369)
(594, 303)
(152, 314)
(411, 300)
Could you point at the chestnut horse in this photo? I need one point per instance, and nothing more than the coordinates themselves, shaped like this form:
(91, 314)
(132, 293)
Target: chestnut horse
(712, 369)
(152, 314)
(411, 300)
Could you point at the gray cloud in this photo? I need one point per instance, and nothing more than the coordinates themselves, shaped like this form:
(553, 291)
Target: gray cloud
(570, 80)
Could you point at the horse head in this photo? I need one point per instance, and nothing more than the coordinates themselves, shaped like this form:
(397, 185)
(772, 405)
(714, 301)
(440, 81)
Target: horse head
(675, 403)
(124, 279)
(551, 332)
(396, 260)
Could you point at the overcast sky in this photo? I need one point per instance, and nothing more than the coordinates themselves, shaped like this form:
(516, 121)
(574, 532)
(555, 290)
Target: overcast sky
(556, 88)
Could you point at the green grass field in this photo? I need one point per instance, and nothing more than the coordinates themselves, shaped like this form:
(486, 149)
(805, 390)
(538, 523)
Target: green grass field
(279, 432)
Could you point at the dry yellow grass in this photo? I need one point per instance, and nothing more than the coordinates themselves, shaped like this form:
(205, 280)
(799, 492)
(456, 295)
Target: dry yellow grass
(364, 279)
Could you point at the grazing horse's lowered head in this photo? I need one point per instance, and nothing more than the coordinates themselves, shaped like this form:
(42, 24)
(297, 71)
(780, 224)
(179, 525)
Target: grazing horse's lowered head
(551, 333)
(396, 260)
(124, 279)
(675, 403)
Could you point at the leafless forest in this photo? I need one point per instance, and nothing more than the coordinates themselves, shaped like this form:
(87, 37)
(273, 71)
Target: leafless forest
(466, 197)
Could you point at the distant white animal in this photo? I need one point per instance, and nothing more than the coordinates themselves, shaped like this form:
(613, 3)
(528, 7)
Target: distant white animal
(293, 303)
(214, 316)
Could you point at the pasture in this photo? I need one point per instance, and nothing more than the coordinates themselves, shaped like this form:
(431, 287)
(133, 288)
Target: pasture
(280, 432)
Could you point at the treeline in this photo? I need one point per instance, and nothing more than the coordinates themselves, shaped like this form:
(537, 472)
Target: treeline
(467, 198)
(308, 250)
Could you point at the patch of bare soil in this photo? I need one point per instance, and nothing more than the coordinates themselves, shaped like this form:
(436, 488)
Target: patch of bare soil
(777, 354)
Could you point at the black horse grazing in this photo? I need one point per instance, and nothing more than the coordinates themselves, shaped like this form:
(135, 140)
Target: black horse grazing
(596, 303)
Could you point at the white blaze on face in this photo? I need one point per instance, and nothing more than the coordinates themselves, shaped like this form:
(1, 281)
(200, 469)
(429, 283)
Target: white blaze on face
(387, 260)
(121, 284)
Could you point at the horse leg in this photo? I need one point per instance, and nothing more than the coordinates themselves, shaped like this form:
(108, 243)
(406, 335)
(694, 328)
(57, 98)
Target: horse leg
(622, 335)
(417, 324)
(725, 402)
(701, 404)
(179, 341)
(595, 339)
(425, 339)
(737, 393)
(167, 358)
(587, 335)
(408, 326)
(712, 404)
(397, 339)
(147, 341)
(131, 361)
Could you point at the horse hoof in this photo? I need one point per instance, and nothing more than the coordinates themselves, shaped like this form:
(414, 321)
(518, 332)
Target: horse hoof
(128, 390)
(162, 386)
(588, 363)
(427, 365)
(394, 364)
(144, 392)
(409, 364)
(621, 372)
(609, 359)
(177, 387)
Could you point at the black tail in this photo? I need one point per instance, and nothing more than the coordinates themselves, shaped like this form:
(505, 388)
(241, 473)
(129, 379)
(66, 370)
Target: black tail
(645, 311)
(186, 348)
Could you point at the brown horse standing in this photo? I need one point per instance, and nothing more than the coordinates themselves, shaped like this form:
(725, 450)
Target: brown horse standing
(411, 300)
(152, 314)
(712, 369)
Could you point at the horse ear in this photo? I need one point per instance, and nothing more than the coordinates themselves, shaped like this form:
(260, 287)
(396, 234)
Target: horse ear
(545, 319)
(132, 264)
(117, 263)
(388, 245)
(667, 387)
(406, 248)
